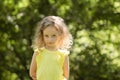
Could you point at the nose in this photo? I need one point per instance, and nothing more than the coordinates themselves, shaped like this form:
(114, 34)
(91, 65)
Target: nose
(50, 39)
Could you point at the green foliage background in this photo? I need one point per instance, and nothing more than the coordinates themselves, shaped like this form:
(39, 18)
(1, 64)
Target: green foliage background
(94, 24)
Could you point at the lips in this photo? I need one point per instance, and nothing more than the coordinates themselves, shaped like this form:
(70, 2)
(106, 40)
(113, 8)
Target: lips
(50, 42)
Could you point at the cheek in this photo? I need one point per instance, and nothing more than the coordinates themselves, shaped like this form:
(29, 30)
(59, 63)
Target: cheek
(45, 39)
(59, 39)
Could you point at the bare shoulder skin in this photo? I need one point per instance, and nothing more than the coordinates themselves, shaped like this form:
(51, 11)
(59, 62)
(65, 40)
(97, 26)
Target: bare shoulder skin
(33, 66)
(66, 68)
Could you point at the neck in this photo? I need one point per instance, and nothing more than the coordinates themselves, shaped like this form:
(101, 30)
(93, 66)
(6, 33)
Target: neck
(51, 48)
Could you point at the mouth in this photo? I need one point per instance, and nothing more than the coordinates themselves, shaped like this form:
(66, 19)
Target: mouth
(50, 42)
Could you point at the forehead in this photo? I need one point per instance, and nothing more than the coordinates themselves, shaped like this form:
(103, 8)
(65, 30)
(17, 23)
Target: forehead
(50, 30)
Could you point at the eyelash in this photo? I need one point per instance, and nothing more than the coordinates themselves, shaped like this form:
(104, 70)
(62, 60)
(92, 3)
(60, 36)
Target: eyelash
(46, 35)
(52, 35)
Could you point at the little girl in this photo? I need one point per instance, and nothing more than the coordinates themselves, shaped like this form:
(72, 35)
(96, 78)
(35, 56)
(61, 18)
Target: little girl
(51, 46)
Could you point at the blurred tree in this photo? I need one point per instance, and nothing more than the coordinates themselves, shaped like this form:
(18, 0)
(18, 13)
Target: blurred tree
(95, 27)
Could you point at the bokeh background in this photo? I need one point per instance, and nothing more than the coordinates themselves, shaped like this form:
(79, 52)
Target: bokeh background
(94, 24)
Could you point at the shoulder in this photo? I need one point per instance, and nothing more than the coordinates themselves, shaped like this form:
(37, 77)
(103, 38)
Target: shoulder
(38, 51)
(65, 52)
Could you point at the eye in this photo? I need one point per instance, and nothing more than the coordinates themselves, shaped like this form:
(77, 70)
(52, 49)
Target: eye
(46, 35)
(54, 35)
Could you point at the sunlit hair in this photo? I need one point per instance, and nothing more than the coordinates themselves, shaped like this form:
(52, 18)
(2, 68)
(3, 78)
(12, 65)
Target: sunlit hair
(58, 23)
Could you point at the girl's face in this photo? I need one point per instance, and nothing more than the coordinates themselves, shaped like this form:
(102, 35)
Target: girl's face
(51, 37)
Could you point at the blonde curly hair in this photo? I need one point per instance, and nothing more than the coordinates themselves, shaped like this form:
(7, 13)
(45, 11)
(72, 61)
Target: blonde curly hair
(59, 24)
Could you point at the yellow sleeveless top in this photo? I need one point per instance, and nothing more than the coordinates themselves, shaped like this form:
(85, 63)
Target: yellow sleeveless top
(50, 65)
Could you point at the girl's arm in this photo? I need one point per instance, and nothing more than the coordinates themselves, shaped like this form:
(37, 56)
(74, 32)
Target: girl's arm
(66, 68)
(33, 67)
